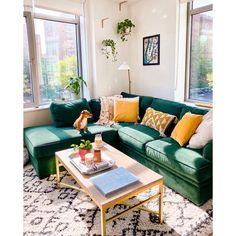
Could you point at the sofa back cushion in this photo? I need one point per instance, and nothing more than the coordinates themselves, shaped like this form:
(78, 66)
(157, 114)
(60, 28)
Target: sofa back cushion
(193, 110)
(95, 105)
(64, 114)
(144, 102)
(166, 106)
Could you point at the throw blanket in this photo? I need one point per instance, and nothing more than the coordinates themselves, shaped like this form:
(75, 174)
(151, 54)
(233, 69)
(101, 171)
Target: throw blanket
(107, 110)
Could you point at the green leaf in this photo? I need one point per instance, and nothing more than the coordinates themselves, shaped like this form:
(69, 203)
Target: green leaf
(89, 147)
(87, 142)
(82, 146)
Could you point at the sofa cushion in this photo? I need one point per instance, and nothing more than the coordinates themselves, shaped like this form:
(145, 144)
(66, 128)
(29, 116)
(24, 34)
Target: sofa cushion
(95, 106)
(136, 136)
(186, 162)
(45, 140)
(64, 114)
(120, 125)
(144, 102)
(193, 110)
(170, 107)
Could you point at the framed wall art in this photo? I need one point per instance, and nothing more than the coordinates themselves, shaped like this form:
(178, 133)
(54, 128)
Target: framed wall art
(151, 50)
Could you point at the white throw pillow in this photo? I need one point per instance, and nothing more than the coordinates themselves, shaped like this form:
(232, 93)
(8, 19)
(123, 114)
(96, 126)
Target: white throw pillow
(204, 132)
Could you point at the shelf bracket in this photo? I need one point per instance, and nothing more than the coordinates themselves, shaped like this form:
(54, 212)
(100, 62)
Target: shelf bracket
(121, 4)
(104, 20)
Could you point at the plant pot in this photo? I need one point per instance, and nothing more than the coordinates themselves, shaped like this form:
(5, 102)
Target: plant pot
(82, 153)
(127, 31)
(75, 96)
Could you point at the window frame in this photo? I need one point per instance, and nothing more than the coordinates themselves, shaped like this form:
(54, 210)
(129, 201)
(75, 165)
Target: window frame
(34, 68)
(32, 57)
(191, 12)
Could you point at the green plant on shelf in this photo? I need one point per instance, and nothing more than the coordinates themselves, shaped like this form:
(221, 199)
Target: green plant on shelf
(109, 49)
(124, 28)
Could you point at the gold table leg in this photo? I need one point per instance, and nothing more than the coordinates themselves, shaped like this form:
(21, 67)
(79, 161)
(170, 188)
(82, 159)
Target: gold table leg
(161, 203)
(159, 195)
(57, 172)
(103, 222)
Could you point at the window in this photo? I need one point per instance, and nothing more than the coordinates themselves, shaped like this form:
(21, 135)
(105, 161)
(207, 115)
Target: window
(57, 57)
(56, 54)
(27, 83)
(200, 76)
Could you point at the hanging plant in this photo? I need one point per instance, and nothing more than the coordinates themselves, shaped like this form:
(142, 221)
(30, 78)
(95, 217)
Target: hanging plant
(109, 49)
(124, 28)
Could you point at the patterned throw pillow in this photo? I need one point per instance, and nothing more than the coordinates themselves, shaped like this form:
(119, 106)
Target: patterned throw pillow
(158, 120)
(107, 110)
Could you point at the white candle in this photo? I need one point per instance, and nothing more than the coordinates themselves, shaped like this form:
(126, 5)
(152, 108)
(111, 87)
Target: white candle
(89, 159)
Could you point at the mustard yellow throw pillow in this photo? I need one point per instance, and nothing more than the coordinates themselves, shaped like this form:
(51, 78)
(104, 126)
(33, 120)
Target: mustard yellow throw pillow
(126, 109)
(157, 120)
(186, 127)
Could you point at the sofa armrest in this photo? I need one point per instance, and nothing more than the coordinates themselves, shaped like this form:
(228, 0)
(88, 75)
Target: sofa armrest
(208, 151)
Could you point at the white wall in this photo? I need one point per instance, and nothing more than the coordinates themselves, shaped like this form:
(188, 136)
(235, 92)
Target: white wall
(36, 117)
(181, 28)
(105, 78)
(153, 17)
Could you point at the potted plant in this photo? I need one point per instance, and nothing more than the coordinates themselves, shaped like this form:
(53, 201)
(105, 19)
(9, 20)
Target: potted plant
(83, 148)
(124, 28)
(109, 48)
(74, 85)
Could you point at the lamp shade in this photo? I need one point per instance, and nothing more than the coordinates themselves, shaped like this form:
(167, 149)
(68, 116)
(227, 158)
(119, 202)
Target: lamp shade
(124, 66)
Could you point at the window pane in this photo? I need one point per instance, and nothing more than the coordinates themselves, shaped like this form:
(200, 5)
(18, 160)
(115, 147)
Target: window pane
(201, 78)
(27, 86)
(56, 46)
(201, 3)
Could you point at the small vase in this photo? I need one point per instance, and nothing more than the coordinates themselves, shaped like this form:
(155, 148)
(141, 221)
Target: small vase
(127, 31)
(82, 153)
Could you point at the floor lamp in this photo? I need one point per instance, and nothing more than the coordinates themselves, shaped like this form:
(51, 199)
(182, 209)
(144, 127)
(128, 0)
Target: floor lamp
(125, 66)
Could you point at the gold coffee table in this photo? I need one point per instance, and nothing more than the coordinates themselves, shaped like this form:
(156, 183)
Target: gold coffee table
(148, 179)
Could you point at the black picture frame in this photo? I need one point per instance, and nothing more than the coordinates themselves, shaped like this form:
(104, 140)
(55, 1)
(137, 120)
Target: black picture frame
(155, 50)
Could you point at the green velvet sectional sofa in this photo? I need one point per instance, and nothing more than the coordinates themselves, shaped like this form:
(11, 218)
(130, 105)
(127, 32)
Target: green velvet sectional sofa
(187, 171)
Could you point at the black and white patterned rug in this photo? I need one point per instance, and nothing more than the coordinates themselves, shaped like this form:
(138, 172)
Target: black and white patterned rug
(50, 211)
